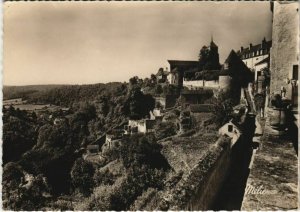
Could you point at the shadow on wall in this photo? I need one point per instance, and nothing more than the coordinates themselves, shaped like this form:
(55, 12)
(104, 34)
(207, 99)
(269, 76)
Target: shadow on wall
(230, 196)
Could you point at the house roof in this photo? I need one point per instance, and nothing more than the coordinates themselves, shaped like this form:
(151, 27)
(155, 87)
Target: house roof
(266, 60)
(237, 69)
(183, 62)
(266, 45)
(92, 146)
(238, 125)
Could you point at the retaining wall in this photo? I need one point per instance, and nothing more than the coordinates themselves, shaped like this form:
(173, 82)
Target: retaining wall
(198, 190)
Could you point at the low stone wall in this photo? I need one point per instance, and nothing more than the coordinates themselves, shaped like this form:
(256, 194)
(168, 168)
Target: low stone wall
(201, 84)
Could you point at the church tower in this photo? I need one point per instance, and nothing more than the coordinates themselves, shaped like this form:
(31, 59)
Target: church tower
(209, 57)
(214, 56)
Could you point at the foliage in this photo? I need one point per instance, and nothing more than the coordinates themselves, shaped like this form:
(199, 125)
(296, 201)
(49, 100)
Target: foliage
(82, 176)
(122, 194)
(208, 59)
(142, 149)
(142, 201)
(103, 177)
(164, 129)
(170, 89)
(19, 194)
(223, 108)
(138, 105)
(19, 134)
(266, 74)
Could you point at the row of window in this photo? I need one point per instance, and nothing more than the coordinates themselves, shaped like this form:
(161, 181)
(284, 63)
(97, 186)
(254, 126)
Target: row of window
(256, 53)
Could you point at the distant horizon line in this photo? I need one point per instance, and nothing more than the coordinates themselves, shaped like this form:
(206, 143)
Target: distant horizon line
(93, 83)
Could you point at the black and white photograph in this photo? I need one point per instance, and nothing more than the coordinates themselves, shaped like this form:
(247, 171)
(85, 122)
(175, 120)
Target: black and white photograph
(150, 105)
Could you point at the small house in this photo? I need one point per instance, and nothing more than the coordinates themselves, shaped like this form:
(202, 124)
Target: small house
(139, 126)
(156, 114)
(92, 149)
(114, 138)
(231, 129)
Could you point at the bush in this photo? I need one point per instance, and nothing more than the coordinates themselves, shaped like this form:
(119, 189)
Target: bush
(82, 176)
(164, 129)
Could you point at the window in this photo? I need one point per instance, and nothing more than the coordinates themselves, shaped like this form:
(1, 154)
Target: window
(230, 128)
(259, 73)
(295, 72)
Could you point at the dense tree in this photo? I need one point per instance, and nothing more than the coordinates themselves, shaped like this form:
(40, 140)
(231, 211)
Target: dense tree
(142, 149)
(82, 176)
(158, 89)
(164, 129)
(153, 78)
(223, 108)
(203, 56)
(18, 134)
(22, 194)
(138, 104)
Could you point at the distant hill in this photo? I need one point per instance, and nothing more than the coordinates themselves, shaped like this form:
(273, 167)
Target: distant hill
(12, 92)
(64, 95)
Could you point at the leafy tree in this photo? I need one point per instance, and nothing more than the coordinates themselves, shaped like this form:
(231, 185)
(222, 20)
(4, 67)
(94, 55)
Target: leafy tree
(133, 81)
(203, 56)
(138, 104)
(18, 134)
(164, 129)
(19, 194)
(12, 177)
(82, 176)
(153, 78)
(142, 149)
(223, 108)
(170, 89)
(158, 89)
(103, 177)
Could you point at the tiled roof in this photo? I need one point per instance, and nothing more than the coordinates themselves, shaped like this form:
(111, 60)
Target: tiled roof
(266, 46)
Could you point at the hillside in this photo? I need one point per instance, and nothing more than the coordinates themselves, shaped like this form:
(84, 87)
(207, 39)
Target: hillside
(12, 92)
(62, 95)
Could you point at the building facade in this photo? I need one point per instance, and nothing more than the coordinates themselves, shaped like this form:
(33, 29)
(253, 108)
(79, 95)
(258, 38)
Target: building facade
(254, 54)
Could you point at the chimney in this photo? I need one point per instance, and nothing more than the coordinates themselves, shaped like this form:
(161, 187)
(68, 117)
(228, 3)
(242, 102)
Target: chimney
(250, 45)
(263, 43)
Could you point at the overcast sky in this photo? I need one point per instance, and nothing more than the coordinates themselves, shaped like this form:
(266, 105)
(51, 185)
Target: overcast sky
(92, 42)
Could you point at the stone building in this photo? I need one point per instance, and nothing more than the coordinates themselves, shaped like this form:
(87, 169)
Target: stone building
(258, 67)
(177, 69)
(139, 126)
(284, 57)
(182, 71)
(234, 75)
(231, 129)
(255, 53)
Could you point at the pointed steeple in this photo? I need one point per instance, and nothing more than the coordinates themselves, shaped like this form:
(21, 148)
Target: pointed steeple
(212, 44)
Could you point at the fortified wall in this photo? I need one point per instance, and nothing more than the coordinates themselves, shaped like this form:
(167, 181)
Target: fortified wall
(199, 189)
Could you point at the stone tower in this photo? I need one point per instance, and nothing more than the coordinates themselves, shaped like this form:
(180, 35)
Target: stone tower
(284, 56)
